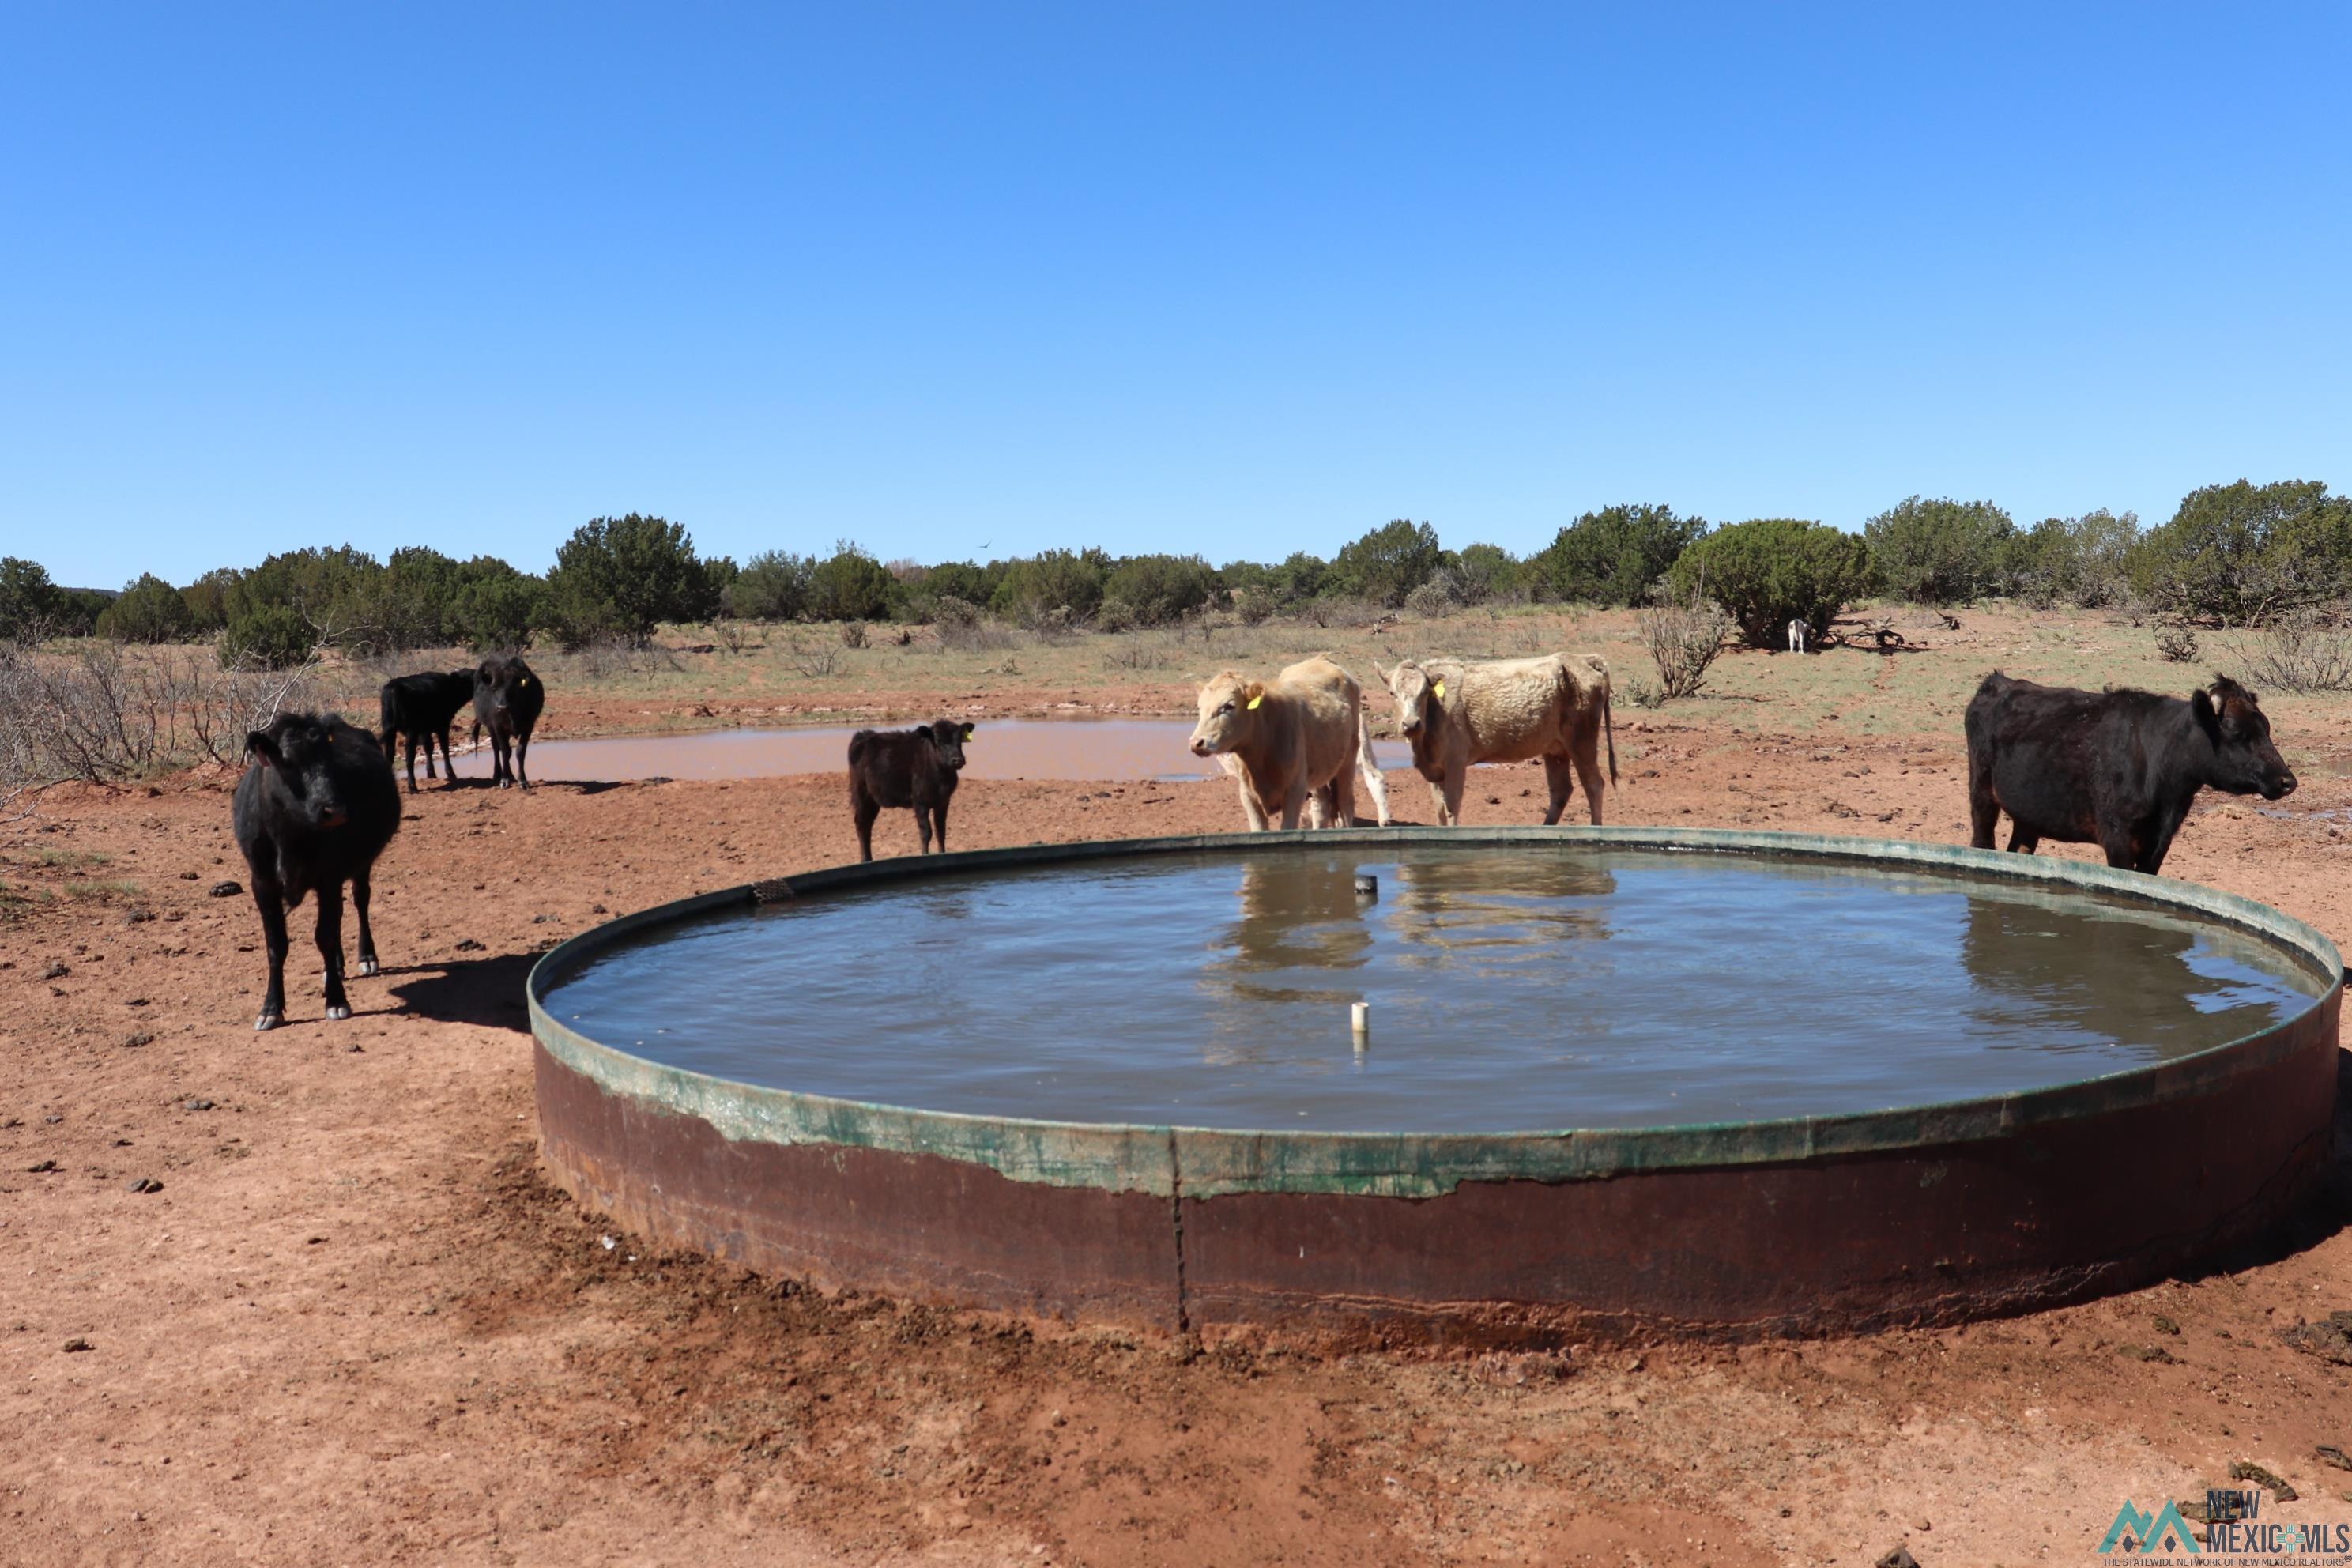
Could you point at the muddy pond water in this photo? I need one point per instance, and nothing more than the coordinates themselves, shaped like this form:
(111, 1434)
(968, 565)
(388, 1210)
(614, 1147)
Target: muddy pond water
(999, 749)
(1511, 988)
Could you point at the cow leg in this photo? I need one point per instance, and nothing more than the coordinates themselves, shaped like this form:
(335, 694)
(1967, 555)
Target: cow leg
(940, 812)
(522, 749)
(448, 766)
(1984, 811)
(411, 741)
(2158, 843)
(923, 824)
(2122, 848)
(1437, 803)
(271, 899)
(361, 892)
(330, 934)
(1318, 807)
(428, 756)
(2021, 842)
(1561, 779)
(1456, 773)
(1293, 801)
(863, 810)
(1251, 808)
(1587, 758)
(1343, 799)
(502, 749)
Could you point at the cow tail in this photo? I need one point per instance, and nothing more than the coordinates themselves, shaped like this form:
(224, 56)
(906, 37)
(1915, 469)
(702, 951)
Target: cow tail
(1607, 724)
(384, 714)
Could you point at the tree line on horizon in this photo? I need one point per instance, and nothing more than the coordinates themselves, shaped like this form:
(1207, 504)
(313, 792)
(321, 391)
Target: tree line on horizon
(2231, 554)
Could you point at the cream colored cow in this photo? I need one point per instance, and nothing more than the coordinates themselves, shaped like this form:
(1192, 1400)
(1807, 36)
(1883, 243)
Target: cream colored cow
(1291, 742)
(1457, 713)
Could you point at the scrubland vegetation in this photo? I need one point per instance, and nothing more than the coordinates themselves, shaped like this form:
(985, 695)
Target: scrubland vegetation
(109, 685)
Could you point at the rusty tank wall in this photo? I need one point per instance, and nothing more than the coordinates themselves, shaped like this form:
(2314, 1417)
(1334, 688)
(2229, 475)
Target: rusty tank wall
(1920, 1215)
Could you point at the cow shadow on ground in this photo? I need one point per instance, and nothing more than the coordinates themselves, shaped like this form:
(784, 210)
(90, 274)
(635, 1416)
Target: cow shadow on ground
(487, 992)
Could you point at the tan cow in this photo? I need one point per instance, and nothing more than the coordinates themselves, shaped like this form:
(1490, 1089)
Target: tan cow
(1508, 711)
(1292, 741)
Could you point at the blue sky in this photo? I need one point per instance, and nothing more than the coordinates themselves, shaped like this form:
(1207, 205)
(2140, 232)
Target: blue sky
(976, 281)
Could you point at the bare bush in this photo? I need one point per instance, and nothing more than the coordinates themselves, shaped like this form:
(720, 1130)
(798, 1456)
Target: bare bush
(2302, 650)
(852, 634)
(2176, 641)
(962, 628)
(814, 660)
(732, 634)
(607, 658)
(1684, 640)
(100, 712)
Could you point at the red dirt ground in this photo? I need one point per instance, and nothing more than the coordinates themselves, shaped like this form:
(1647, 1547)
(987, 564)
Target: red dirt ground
(357, 1325)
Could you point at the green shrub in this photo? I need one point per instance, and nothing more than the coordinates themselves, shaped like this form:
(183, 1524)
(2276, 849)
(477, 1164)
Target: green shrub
(207, 599)
(1613, 556)
(274, 637)
(2074, 561)
(29, 601)
(1771, 571)
(850, 585)
(2235, 553)
(772, 586)
(1158, 589)
(149, 611)
(626, 576)
(498, 613)
(1385, 565)
(1052, 589)
(1488, 573)
(1941, 551)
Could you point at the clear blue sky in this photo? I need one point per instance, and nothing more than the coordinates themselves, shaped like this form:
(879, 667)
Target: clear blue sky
(974, 280)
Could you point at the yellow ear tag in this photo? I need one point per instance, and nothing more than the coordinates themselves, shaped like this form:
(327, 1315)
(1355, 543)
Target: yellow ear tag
(1256, 700)
(1439, 689)
(966, 732)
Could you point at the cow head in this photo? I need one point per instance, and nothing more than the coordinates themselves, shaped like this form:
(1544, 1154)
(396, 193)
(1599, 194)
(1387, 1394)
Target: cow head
(297, 750)
(948, 737)
(1420, 696)
(2244, 760)
(499, 681)
(1229, 707)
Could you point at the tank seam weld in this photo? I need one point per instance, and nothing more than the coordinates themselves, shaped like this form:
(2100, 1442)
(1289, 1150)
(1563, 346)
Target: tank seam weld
(1176, 1222)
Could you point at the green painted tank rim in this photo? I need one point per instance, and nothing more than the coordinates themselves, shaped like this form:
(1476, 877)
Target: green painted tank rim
(1200, 1161)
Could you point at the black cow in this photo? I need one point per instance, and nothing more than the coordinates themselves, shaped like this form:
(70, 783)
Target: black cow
(314, 809)
(2117, 769)
(507, 701)
(914, 768)
(423, 707)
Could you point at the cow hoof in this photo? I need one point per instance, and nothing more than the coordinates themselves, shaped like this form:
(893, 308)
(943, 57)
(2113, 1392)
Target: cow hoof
(370, 966)
(268, 1021)
(339, 1014)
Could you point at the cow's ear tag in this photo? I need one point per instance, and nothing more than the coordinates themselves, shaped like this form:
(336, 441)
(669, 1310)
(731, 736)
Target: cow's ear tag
(1439, 689)
(966, 732)
(1256, 700)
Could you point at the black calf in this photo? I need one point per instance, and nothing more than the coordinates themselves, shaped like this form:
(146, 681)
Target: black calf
(507, 701)
(914, 768)
(2117, 768)
(314, 809)
(423, 707)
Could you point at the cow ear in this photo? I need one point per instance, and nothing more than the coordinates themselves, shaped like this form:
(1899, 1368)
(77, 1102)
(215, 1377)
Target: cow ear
(967, 733)
(258, 744)
(1382, 676)
(2208, 720)
(1256, 693)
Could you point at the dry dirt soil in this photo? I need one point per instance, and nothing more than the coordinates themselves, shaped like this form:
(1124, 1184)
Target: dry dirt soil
(357, 1325)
